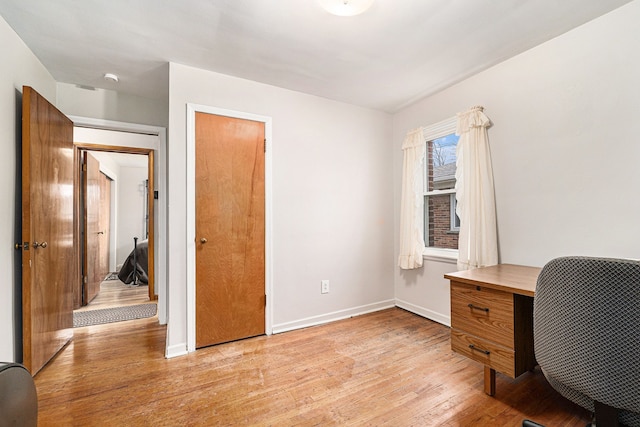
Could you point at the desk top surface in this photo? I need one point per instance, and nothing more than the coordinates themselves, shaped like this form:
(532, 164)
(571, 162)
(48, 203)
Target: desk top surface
(517, 279)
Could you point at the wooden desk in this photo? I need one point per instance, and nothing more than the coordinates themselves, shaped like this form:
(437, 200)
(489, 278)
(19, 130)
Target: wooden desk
(492, 318)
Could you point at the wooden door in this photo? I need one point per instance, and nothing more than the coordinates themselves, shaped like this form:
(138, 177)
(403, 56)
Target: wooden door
(47, 230)
(92, 230)
(105, 226)
(151, 226)
(230, 229)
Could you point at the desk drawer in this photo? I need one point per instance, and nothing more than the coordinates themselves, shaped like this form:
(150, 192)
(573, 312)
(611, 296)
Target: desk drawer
(483, 312)
(499, 358)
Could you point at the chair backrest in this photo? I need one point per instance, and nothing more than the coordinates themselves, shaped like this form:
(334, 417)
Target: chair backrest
(587, 330)
(18, 399)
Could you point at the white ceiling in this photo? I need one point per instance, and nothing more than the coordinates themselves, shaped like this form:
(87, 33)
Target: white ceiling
(392, 55)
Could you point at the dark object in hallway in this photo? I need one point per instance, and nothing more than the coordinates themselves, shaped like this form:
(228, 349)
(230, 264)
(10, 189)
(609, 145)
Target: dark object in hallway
(135, 268)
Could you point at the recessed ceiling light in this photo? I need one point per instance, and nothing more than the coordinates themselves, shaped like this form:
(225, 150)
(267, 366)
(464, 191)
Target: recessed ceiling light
(111, 77)
(345, 7)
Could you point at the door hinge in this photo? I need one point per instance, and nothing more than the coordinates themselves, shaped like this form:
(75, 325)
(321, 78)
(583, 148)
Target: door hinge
(265, 145)
(84, 167)
(265, 300)
(86, 279)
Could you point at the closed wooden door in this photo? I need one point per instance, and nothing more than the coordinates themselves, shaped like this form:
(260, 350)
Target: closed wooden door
(93, 234)
(230, 229)
(47, 230)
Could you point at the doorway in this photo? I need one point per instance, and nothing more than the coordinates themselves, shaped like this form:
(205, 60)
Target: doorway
(115, 225)
(107, 135)
(49, 226)
(129, 173)
(49, 220)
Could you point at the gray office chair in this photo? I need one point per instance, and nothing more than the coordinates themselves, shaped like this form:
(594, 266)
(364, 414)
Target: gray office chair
(586, 328)
(18, 398)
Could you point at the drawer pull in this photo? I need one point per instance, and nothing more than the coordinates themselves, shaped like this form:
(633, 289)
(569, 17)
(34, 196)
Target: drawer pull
(475, 307)
(473, 347)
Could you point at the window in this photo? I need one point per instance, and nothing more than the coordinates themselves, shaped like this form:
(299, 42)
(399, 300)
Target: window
(455, 220)
(441, 224)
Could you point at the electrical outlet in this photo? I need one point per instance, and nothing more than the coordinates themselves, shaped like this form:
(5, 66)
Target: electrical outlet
(324, 286)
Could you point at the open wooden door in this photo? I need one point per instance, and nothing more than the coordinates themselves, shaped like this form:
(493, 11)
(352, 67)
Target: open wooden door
(230, 229)
(47, 230)
(105, 225)
(93, 233)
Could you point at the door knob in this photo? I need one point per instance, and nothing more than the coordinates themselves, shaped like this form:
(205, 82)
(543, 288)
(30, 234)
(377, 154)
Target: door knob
(41, 245)
(203, 240)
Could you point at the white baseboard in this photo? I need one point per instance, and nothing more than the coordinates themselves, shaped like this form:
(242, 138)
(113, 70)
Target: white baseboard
(176, 350)
(332, 317)
(425, 312)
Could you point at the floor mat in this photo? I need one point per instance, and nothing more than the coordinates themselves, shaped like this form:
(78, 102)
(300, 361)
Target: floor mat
(111, 315)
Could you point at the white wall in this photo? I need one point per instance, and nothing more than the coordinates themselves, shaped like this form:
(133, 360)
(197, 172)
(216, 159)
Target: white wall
(128, 201)
(332, 194)
(18, 67)
(131, 201)
(110, 105)
(565, 150)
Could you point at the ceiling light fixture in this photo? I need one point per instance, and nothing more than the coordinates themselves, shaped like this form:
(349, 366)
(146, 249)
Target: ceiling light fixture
(346, 7)
(111, 77)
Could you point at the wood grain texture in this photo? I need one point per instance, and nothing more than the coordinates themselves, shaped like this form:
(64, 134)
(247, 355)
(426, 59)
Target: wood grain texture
(230, 229)
(47, 217)
(92, 228)
(78, 238)
(518, 279)
(385, 368)
(492, 322)
(496, 324)
(114, 293)
(500, 358)
(105, 225)
(489, 380)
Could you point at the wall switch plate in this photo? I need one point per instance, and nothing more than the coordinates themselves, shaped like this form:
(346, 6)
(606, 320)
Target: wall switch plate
(324, 286)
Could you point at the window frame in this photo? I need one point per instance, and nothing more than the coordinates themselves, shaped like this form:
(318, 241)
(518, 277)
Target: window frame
(453, 203)
(431, 132)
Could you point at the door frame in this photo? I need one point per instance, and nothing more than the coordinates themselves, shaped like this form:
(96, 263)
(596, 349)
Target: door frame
(82, 147)
(160, 168)
(192, 109)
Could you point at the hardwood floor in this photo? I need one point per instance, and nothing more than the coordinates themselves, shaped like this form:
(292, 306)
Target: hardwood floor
(114, 293)
(385, 368)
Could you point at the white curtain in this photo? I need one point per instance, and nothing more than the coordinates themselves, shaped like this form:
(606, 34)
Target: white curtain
(411, 208)
(477, 241)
